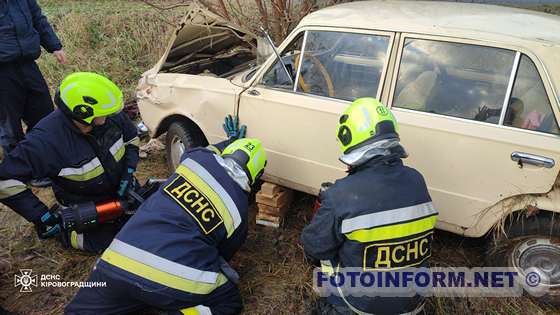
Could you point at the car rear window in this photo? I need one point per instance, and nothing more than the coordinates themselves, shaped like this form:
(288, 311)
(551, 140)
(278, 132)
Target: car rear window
(529, 107)
(453, 79)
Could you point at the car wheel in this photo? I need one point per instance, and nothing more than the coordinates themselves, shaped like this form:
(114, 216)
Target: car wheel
(180, 137)
(532, 246)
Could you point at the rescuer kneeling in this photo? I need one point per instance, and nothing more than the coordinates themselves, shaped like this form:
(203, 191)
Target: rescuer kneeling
(173, 253)
(89, 149)
(379, 217)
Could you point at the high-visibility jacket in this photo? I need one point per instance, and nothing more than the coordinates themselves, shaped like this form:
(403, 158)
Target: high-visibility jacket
(82, 167)
(182, 236)
(379, 217)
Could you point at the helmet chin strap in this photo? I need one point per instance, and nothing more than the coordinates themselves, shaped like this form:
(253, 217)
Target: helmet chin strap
(235, 171)
(363, 154)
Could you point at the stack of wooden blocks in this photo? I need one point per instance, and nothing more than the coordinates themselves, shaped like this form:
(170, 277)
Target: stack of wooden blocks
(272, 201)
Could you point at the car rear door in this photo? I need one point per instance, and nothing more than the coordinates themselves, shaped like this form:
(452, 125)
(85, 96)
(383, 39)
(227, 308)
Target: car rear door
(297, 123)
(477, 122)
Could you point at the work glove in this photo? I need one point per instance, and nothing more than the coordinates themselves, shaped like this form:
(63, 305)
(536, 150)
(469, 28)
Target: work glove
(49, 225)
(232, 129)
(127, 181)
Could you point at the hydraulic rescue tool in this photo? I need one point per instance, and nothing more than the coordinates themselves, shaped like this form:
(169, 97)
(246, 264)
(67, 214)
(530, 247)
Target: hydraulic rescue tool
(83, 216)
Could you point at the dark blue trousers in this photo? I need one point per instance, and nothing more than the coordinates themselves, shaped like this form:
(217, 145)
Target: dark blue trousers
(24, 96)
(122, 296)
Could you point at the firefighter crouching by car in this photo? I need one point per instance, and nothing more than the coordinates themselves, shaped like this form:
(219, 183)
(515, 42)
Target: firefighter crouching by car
(173, 253)
(87, 147)
(381, 201)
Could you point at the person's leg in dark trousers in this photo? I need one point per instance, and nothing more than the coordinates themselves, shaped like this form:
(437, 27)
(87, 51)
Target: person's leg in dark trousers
(12, 105)
(115, 298)
(38, 103)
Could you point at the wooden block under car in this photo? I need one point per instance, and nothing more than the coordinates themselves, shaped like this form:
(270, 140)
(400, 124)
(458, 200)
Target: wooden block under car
(269, 210)
(273, 202)
(268, 220)
(270, 189)
(268, 223)
(268, 217)
(279, 200)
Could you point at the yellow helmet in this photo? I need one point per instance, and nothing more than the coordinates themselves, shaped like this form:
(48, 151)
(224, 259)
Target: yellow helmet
(84, 96)
(366, 120)
(249, 154)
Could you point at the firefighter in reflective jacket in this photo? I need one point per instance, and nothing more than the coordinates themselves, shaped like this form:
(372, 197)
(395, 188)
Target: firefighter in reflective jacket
(87, 147)
(173, 253)
(379, 217)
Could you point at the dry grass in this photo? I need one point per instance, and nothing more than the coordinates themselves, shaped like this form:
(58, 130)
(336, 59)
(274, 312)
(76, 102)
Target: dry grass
(275, 278)
(120, 39)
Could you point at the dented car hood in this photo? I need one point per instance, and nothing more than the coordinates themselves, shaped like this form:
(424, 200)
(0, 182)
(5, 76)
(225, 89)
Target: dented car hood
(206, 43)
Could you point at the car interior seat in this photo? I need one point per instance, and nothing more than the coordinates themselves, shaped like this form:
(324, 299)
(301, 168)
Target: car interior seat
(514, 112)
(536, 103)
(415, 94)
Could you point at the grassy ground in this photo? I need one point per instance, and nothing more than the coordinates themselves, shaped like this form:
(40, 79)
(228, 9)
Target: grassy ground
(122, 39)
(275, 279)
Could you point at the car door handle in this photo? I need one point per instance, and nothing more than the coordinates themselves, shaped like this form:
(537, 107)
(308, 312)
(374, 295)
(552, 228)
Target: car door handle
(532, 159)
(254, 92)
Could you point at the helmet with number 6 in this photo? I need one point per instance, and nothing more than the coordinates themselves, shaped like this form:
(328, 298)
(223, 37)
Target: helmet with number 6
(84, 96)
(365, 121)
(249, 154)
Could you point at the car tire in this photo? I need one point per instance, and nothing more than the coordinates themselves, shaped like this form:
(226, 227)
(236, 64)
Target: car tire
(530, 245)
(180, 137)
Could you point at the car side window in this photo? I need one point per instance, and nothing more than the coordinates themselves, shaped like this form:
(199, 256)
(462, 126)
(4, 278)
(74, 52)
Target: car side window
(453, 79)
(277, 77)
(342, 65)
(529, 106)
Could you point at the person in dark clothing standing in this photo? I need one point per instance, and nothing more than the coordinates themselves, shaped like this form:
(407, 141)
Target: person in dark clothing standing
(24, 94)
(381, 207)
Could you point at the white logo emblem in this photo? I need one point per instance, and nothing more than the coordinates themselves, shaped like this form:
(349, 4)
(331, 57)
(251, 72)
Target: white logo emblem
(26, 280)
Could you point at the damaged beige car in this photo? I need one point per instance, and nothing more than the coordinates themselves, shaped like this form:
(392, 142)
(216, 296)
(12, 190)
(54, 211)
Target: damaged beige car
(474, 87)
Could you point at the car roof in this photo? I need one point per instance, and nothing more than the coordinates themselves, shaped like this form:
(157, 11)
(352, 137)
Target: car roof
(470, 20)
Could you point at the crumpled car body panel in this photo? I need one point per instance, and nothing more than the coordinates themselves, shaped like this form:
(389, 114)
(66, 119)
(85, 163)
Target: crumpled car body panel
(192, 79)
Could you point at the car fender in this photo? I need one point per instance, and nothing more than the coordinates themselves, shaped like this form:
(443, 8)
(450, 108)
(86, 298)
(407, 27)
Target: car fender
(496, 215)
(205, 100)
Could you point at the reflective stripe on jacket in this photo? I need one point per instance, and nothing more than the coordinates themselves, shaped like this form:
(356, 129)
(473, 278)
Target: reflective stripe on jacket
(160, 270)
(82, 167)
(379, 217)
(180, 236)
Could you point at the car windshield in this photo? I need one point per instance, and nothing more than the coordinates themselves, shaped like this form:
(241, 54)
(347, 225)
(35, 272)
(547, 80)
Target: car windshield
(334, 64)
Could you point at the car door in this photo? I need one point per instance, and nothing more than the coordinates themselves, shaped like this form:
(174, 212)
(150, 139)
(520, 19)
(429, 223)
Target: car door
(477, 122)
(297, 123)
